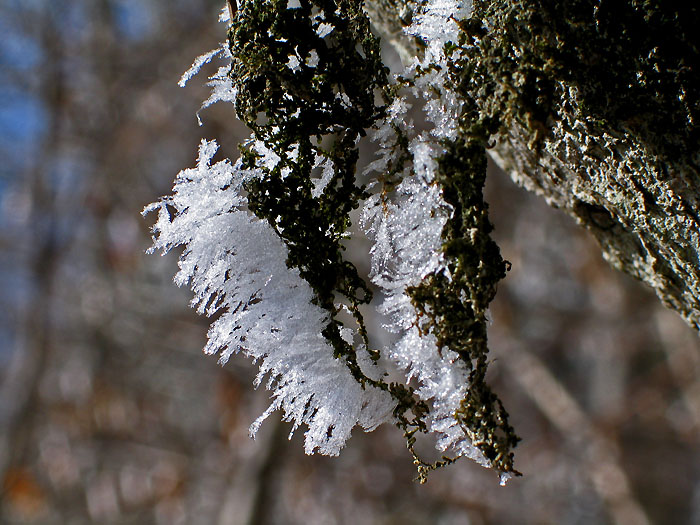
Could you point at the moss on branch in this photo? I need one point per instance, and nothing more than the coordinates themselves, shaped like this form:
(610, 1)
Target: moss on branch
(594, 105)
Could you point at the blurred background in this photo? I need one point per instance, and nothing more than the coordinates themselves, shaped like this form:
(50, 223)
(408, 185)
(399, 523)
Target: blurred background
(109, 412)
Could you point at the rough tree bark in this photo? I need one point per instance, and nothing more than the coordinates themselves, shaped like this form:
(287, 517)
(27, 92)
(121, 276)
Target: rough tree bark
(594, 105)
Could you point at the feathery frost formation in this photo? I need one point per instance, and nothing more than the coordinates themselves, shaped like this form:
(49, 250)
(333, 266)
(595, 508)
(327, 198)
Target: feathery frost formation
(235, 264)
(263, 238)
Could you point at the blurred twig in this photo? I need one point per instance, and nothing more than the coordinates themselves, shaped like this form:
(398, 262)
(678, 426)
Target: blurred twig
(248, 499)
(683, 362)
(599, 453)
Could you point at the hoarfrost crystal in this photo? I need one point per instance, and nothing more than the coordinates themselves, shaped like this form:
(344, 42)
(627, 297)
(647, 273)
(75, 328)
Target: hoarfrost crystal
(235, 264)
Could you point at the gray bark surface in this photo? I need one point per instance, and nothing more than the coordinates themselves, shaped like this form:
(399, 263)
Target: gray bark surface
(645, 220)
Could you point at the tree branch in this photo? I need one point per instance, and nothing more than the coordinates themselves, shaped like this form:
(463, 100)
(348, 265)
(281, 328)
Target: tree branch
(595, 108)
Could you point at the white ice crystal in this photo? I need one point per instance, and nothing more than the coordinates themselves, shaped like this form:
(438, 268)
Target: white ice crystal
(324, 29)
(326, 176)
(293, 63)
(407, 229)
(225, 14)
(312, 60)
(220, 82)
(436, 23)
(198, 63)
(235, 264)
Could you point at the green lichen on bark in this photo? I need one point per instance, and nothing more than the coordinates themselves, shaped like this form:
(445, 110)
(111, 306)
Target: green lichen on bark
(595, 105)
(633, 64)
